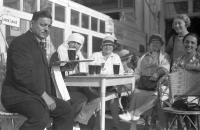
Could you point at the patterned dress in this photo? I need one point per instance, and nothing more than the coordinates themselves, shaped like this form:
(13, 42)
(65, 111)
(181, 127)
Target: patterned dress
(182, 61)
(179, 64)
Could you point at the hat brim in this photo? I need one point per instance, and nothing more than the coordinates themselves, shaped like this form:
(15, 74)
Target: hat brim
(111, 44)
(125, 57)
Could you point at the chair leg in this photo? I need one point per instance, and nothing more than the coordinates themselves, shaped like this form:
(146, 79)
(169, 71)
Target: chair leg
(181, 123)
(198, 122)
(7, 124)
(133, 125)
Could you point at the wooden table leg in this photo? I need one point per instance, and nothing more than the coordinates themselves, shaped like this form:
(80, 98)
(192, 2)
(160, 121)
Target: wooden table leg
(102, 111)
(133, 125)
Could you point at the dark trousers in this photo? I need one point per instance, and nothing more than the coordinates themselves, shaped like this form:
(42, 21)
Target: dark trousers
(39, 116)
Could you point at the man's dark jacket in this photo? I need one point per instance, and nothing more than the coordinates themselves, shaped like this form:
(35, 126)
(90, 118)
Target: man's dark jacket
(28, 74)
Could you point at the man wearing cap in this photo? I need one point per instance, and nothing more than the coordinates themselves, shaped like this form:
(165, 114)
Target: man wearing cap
(151, 66)
(106, 58)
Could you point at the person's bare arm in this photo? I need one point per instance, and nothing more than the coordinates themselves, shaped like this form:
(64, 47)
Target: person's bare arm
(49, 101)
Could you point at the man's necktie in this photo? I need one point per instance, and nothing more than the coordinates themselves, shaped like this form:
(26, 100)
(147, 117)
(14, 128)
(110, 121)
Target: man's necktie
(43, 47)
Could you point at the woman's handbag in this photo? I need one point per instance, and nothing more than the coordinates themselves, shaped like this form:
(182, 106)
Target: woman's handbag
(184, 105)
(146, 84)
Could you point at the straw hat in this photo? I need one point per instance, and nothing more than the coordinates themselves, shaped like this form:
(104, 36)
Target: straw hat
(155, 37)
(76, 37)
(109, 40)
(124, 54)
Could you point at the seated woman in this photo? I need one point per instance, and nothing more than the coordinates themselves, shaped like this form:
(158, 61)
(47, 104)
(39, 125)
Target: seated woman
(129, 60)
(151, 66)
(106, 58)
(75, 41)
(190, 61)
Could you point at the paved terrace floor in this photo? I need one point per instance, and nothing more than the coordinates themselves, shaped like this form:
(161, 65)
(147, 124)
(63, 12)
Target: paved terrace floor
(123, 125)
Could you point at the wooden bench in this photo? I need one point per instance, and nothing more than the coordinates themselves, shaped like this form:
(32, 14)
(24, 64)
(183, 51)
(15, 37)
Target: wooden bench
(11, 121)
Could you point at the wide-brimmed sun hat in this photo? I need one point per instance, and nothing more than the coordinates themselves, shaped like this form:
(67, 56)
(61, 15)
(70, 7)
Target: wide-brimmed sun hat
(109, 40)
(124, 54)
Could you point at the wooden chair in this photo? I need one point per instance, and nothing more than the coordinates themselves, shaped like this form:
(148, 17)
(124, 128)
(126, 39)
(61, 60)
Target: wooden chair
(178, 85)
(8, 121)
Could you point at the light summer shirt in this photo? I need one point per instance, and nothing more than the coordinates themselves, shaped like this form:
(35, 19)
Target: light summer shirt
(148, 64)
(107, 64)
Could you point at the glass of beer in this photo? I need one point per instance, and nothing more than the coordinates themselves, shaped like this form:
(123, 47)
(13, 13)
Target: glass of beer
(116, 68)
(72, 53)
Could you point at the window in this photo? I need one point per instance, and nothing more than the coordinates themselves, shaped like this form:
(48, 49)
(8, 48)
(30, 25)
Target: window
(102, 26)
(107, 4)
(15, 4)
(114, 15)
(75, 17)
(46, 5)
(30, 6)
(96, 44)
(57, 36)
(85, 45)
(196, 5)
(110, 3)
(102, 4)
(94, 24)
(59, 13)
(85, 21)
(128, 3)
(181, 7)
(141, 48)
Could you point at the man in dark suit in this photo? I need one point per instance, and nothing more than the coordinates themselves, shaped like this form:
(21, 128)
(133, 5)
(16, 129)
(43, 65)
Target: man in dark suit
(28, 89)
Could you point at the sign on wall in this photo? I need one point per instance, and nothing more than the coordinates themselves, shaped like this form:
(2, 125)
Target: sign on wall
(10, 20)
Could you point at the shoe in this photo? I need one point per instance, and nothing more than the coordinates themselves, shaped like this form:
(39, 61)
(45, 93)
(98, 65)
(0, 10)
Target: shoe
(128, 117)
(135, 118)
(76, 127)
(125, 116)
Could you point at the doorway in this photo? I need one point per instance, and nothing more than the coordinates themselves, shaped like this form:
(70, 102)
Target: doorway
(195, 25)
(194, 28)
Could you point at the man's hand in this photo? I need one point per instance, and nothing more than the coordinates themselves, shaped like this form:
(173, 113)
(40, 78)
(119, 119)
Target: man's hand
(70, 66)
(49, 101)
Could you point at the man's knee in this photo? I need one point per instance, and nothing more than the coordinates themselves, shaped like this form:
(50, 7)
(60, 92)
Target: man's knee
(40, 120)
(68, 110)
(78, 98)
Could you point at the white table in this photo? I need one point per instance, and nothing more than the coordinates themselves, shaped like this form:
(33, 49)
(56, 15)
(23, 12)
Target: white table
(101, 81)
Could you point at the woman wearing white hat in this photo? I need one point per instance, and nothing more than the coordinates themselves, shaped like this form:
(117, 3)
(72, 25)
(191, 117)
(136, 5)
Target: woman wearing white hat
(106, 58)
(76, 41)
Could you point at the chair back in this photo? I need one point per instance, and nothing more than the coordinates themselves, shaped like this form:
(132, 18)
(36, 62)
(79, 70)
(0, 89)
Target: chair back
(184, 83)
